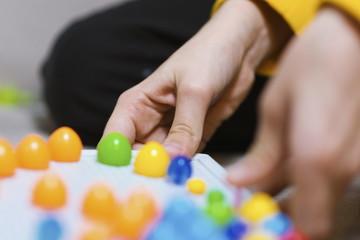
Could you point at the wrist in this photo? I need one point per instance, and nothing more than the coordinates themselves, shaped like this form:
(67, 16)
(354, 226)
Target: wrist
(256, 26)
(245, 22)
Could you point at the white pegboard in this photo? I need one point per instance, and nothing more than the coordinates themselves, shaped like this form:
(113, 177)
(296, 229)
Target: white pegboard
(19, 218)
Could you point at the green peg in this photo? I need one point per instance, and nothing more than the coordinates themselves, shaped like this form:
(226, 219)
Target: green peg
(114, 149)
(215, 196)
(220, 212)
(10, 95)
(218, 208)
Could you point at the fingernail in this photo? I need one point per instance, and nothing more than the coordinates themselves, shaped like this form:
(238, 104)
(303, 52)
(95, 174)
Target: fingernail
(173, 149)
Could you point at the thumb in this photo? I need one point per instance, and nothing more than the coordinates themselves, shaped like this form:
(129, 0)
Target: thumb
(185, 134)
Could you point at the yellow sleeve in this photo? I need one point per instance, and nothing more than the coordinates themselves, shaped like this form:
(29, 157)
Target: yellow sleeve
(299, 14)
(216, 6)
(350, 6)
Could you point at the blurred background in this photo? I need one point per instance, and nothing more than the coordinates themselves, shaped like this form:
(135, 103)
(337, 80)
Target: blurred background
(27, 30)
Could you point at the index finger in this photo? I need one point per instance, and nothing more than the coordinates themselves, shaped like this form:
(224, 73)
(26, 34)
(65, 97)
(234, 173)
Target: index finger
(121, 121)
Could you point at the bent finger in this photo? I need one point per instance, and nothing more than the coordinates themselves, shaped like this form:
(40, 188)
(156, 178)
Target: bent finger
(121, 121)
(267, 151)
(185, 134)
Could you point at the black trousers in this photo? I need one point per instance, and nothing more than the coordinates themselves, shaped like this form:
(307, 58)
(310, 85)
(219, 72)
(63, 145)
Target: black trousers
(98, 57)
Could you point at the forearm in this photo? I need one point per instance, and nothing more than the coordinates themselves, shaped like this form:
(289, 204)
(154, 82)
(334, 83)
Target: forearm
(252, 27)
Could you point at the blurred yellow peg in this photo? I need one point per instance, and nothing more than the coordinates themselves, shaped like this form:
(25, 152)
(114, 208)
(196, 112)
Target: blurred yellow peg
(258, 235)
(196, 186)
(257, 207)
(8, 161)
(50, 193)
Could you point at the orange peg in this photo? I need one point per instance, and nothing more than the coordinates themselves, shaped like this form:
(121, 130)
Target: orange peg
(144, 201)
(8, 162)
(96, 232)
(50, 193)
(130, 222)
(99, 204)
(65, 145)
(33, 153)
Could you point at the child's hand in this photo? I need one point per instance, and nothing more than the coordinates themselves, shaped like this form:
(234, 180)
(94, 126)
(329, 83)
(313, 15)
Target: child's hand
(309, 134)
(183, 102)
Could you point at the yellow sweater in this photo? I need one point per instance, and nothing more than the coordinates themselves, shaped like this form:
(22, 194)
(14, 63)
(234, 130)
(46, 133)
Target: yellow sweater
(298, 14)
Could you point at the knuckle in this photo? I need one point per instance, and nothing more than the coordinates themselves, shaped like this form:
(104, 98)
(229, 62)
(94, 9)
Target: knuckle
(195, 89)
(123, 96)
(132, 104)
(185, 129)
(322, 157)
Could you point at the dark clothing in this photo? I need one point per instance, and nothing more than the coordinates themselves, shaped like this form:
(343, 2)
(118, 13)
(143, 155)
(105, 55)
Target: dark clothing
(98, 57)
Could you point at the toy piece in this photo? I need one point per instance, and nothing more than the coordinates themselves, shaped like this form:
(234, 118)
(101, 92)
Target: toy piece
(131, 221)
(183, 220)
(114, 149)
(96, 232)
(236, 229)
(278, 224)
(135, 215)
(200, 222)
(179, 170)
(99, 204)
(177, 213)
(10, 95)
(152, 160)
(215, 196)
(33, 153)
(294, 234)
(220, 212)
(217, 208)
(196, 186)
(50, 193)
(8, 161)
(178, 210)
(163, 231)
(145, 202)
(259, 235)
(65, 145)
(257, 207)
(50, 229)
